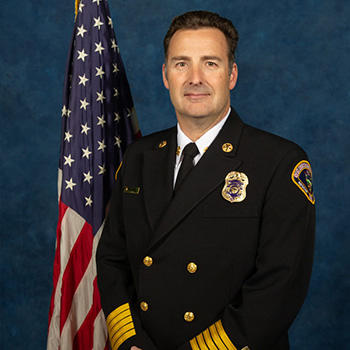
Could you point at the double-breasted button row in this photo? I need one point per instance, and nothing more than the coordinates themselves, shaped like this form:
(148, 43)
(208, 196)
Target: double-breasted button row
(191, 267)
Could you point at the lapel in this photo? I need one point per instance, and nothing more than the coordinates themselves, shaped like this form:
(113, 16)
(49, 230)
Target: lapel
(207, 175)
(158, 173)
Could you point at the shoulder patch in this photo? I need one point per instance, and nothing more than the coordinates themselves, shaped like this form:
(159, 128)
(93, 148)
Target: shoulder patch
(302, 177)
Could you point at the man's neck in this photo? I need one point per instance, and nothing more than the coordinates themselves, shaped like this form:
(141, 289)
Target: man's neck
(194, 128)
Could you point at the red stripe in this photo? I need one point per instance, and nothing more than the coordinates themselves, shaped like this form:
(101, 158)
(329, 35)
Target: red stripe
(78, 262)
(84, 338)
(57, 263)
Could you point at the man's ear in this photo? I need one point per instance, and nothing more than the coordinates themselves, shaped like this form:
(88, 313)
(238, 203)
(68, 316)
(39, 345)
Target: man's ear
(233, 76)
(165, 79)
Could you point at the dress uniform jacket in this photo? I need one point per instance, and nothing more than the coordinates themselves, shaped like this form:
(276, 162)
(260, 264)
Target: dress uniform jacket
(209, 267)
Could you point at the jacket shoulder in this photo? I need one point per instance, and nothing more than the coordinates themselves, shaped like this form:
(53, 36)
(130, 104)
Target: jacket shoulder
(265, 144)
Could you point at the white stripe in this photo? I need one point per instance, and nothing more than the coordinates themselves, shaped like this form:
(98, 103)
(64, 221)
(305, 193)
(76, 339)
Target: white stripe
(71, 225)
(82, 300)
(59, 183)
(100, 332)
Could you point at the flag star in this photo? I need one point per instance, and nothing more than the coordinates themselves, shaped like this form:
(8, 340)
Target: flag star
(82, 55)
(100, 96)
(118, 141)
(87, 177)
(101, 120)
(81, 5)
(101, 146)
(68, 136)
(115, 68)
(129, 113)
(110, 23)
(102, 170)
(81, 31)
(99, 48)
(83, 79)
(86, 152)
(69, 112)
(116, 92)
(84, 104)
(84, 129)
(114, 45)
(98, 22)
(117, 117)
(88, 201)
(98, 2)
(100, 72)
(68, 160)
(64, 111)
(70, 184)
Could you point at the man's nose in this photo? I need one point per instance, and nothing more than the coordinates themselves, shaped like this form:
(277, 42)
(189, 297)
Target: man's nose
(196, 76)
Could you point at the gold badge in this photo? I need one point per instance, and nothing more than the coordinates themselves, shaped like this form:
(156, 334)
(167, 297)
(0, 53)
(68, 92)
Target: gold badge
(227, 147)
(235, 186)
(162, 144)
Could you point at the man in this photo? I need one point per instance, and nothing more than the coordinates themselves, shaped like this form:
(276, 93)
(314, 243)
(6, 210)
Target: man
(209, 239)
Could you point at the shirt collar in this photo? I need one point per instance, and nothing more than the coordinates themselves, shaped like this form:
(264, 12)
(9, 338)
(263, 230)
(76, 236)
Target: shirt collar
(203, 142)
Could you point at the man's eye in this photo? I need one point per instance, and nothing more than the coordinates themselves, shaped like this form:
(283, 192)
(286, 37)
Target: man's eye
(180, 64)
(211, 64)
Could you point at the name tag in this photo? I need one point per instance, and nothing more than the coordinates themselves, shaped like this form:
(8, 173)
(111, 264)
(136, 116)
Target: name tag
(131, 190)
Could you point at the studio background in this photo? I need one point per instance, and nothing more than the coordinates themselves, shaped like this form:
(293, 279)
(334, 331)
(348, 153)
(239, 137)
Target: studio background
(293, 59)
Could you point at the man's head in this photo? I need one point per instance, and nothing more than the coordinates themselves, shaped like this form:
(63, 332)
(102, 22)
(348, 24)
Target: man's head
(199, 69)
(204, 19)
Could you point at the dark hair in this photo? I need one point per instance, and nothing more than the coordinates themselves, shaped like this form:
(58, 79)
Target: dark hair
(204, 19)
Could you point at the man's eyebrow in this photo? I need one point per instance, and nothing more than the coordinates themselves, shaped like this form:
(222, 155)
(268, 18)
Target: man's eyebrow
(180, 58)
(211, 58)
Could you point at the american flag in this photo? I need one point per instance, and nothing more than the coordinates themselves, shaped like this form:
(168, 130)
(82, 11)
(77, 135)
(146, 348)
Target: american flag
(98, 122)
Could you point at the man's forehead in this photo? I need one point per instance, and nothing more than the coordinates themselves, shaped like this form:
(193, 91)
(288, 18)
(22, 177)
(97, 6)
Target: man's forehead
(206, 41)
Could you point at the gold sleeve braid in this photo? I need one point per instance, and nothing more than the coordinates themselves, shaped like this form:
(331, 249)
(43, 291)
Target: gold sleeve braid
(213, 338)
(120, 326)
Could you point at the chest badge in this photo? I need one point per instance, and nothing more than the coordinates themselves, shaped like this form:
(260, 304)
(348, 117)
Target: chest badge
(235, 186)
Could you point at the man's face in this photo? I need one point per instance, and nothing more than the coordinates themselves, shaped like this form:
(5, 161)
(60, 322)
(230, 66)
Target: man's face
(197, 74)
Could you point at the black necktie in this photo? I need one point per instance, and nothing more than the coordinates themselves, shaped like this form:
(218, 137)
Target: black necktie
(189, 152)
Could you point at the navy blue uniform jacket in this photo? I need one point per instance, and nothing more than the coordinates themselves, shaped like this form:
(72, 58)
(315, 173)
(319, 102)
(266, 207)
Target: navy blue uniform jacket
(195, 270)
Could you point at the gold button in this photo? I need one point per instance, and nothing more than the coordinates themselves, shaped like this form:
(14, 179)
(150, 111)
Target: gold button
(162, 144)
(189, 316)
(191, 267)
(245, 348)
(148, 261)
(227, 147)
(143, 306)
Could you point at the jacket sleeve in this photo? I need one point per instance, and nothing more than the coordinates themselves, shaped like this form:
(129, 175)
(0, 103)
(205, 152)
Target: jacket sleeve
(115, 281)
(272, 296)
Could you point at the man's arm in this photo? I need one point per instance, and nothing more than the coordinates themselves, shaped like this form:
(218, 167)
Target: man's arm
(115, 281)
(274, 293)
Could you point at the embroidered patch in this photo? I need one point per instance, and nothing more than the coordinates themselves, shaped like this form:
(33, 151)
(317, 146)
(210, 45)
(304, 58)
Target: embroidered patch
(302, 177)
(235, 186)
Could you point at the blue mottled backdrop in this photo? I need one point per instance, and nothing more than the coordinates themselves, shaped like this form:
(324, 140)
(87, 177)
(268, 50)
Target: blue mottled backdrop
(294, 75)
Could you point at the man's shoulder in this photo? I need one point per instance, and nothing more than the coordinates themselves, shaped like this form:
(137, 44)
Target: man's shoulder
(264, 143)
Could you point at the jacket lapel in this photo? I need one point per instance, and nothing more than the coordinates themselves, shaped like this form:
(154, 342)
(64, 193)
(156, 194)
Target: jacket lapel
(158, 173)
(207, 175)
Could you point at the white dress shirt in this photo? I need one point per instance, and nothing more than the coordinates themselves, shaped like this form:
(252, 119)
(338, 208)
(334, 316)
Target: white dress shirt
(202, 143)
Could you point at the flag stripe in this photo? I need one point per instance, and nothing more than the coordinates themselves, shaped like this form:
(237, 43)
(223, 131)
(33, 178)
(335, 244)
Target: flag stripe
(79, 260)
(56, 265)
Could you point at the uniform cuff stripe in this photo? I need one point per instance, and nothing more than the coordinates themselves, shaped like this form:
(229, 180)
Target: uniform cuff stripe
(120, 325)
(213, 338)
